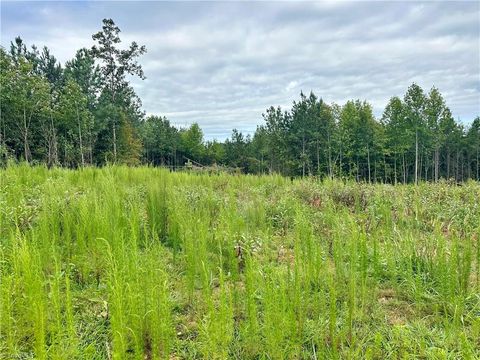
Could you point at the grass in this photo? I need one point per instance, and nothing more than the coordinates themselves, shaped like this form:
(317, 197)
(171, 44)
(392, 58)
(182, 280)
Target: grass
(141, 263)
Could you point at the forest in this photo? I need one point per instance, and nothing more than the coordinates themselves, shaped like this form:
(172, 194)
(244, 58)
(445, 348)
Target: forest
(86, 113)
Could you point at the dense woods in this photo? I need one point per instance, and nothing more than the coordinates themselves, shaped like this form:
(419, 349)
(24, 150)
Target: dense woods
(87, 113)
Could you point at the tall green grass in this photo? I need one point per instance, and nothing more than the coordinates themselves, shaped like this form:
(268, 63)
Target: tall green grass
(142, 263)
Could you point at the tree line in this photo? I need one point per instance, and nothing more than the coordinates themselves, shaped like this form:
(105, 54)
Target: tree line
(86, 113)
(416, 139)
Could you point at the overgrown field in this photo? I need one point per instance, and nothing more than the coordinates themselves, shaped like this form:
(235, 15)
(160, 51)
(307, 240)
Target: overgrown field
(141, 263)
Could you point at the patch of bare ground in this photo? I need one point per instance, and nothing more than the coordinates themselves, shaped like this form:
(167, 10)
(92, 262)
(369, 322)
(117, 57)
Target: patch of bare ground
(285, 255)
(397, 311)
(187, 327)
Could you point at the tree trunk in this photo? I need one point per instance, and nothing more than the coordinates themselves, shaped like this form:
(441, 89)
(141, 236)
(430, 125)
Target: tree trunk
(55, 146)
(384, 169)
(341, 162)
(462, 167)
(114, 124)
(420, 164)
(330, 170)
(478, 164)
(358, 170)
(1, 133)
(448, 164)
(261, 163)
(395, 168)
(65, 154)
(80, 136)
(90, 146)
(433, 166)
(26, 148)
(416, 157)
(114, 143)
(426, 167)
(456, 166)
(368, 161)
(303, 156)
(51, 139)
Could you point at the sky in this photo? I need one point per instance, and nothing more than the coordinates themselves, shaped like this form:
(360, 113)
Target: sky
(221, 64)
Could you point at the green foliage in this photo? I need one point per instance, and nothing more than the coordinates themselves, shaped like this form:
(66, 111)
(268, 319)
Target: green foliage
(160, 141)
(192, 142)
(87, 113)
(142, 263)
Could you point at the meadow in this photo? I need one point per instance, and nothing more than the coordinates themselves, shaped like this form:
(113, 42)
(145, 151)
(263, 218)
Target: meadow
(142, 263)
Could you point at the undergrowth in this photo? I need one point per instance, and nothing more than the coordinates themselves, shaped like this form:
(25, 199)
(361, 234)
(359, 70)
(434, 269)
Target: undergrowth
(141, 263)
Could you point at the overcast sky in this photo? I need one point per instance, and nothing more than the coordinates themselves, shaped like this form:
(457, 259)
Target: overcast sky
(221, 64)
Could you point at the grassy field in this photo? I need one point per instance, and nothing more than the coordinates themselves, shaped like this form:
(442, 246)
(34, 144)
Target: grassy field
(141, 263)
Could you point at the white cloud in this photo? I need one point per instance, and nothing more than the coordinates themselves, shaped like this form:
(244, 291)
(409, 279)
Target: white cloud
(291, 85)
(222, 64)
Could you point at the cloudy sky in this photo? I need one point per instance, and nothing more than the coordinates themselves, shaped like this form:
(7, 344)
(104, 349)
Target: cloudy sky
(221, 64)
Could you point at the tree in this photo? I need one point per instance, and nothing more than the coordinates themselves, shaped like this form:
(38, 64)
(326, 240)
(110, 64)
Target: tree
(86, 74)
(325, 136)
(365, 133)
(130, 146)
(116, 65)
(192, 142)
(337, 140)
(46, 65)
(236, 149)
(473, 141)
(358, 127)
(76, 118)
(448, 130)
(276, 127)
(300, 130)
(259, 146)
(214, 152)
(160, 140)
(6, 97)
(396, 133)
(29, 96)
(18, 50)
(415, 114)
